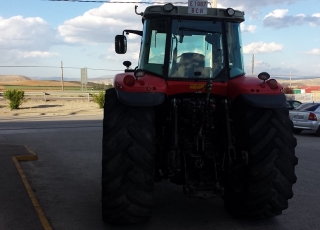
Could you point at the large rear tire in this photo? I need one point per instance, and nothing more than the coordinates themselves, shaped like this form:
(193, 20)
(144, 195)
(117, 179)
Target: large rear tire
(318, 132)
(128, 162)
(263, 187)
(297, 131)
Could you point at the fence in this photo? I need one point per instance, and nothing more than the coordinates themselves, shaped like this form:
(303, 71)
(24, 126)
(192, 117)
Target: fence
(54, 95)
(305, 97)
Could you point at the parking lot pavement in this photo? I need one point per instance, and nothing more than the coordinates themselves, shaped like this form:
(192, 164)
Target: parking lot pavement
(66, 182)
(17, 210)
(74, 141)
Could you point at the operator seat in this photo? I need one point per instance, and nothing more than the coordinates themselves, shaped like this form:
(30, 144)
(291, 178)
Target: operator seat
(190, 65)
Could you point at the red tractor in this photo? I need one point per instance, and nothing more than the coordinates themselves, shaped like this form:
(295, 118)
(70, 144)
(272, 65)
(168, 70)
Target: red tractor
(189, 114)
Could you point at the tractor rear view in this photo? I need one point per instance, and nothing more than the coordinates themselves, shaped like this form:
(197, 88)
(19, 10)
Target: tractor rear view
(187, 113)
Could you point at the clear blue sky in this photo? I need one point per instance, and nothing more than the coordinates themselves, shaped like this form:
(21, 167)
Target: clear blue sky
(283, 35)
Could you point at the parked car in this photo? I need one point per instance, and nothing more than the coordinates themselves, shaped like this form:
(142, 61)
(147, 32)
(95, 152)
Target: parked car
(292, 104)
(306, 117)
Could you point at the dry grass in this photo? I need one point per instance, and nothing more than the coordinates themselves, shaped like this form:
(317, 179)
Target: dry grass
(17, 80)
(58, 107)
(39, 83)
(40, 107)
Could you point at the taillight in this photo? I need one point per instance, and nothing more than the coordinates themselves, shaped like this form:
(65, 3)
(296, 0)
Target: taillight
(273, 84)
(129, 80)
(312, 117)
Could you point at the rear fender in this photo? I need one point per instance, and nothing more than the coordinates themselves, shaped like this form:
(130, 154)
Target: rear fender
(255, 92)
(146, 91)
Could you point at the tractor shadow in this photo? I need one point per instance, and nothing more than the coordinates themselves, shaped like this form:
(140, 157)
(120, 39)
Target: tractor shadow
(43, 106)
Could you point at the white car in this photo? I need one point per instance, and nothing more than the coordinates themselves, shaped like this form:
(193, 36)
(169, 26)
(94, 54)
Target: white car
(306, 117)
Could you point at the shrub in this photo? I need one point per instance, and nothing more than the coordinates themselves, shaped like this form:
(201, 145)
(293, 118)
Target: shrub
(287, 90)
(15, 97)
(109, 86)
(99, 99)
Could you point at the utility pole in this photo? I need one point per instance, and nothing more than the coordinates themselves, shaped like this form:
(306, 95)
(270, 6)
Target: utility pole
(214, 3)
(62, 76)
(252, 71)
(290, 79)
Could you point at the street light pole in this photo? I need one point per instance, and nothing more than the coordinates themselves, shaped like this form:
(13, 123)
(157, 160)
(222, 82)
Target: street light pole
(252, 71)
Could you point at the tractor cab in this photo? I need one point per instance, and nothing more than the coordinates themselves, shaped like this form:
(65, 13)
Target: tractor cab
(178, 44)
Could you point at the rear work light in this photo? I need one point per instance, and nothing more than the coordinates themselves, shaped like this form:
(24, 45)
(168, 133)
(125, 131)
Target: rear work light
(230, 11)
(139, 73)
(129, 80)
(312, 117)
(168, 7)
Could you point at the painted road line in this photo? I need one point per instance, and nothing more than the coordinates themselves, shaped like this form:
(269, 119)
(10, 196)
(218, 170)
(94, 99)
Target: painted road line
(33, 157)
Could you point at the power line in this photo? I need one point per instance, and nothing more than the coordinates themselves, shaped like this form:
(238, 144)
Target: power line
(35, 66)
(142, 2)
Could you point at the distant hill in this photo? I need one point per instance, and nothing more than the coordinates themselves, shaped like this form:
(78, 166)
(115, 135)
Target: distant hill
(13, 78)
(100, 80)
(300, 82)
(54, 79)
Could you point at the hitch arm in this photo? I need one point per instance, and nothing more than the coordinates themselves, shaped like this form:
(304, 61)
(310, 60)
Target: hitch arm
(205, 112)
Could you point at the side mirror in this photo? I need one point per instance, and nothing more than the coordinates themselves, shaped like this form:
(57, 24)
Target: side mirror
(120, 44)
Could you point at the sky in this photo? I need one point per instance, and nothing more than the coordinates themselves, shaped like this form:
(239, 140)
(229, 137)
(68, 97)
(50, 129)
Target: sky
(283, 36)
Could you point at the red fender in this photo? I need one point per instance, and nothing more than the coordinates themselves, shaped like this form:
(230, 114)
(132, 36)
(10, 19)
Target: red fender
(257, 93)
(150, 90)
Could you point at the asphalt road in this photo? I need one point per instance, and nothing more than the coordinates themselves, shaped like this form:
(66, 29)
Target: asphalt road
(66, 182)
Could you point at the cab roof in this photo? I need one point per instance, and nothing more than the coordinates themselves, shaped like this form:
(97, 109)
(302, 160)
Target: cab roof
(184, 11)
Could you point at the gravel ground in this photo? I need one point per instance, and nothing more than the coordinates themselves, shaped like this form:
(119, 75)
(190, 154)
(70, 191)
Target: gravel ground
(57, 107)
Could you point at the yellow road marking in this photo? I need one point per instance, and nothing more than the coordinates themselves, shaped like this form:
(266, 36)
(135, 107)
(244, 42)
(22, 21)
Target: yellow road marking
(33, 157)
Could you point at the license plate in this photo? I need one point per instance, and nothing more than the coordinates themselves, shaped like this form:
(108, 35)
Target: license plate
(197, 86)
